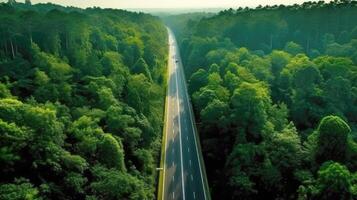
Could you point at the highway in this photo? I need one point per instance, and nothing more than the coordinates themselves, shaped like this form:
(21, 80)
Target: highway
(184, 177)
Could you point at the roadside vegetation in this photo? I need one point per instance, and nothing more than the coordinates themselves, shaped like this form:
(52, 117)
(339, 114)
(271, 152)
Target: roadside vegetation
(274, 91)
(81, 102)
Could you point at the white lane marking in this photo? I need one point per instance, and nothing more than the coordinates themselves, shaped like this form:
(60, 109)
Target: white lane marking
(173, 151)
(194, 195)
(173, 195)
(187, 138)
(179, 122)
(190, 163)
(191, 177)
(193, 129)
(188, 149)
(173, 178)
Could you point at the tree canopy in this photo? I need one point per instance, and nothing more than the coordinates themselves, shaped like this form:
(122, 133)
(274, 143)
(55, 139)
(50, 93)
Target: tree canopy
(274, 96)
(81, 102)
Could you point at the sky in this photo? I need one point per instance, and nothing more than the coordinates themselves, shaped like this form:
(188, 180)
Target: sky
(125, 4)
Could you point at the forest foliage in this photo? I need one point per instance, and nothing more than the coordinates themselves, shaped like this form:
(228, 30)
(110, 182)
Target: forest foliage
(81, 102)
(274, 91)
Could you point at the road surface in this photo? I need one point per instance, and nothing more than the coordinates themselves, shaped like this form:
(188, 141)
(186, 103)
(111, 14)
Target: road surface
(183, 171)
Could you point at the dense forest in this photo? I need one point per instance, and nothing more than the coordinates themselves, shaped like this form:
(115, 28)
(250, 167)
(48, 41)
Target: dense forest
(274, 91)
(81, 102)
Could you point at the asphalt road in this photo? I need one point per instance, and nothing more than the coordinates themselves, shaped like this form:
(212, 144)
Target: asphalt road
(183, 173)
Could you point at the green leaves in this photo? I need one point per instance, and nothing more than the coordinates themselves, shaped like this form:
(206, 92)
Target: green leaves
(111, 153)
(215, 112)
(140, 92)
(106, 98)
(142, 67)
(333, 127)
(57, 69)
(261, 80)
(74, 162)
(284, 150)
(250, 102)
(334, 181)
(293, 48)
(111, 184)
(79, 89)
(20, 190)
(4, 91)
(13, 139)
(111, 61)
(332, 139)
(75, 182)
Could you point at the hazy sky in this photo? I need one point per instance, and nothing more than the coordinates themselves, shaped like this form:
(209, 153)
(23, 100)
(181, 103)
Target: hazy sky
(167, 3)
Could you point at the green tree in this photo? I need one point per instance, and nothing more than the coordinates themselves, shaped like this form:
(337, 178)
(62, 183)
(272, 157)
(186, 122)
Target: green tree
(215, 113)
(332, 139)
(231, 81)
(307, 100)
(202, 97)
(106, 98)
(146, 162)
(241, 167)
(142, 67)
(334, 182)
(75, 182)
(261, 68)
(13, 140)
(250, 102)
(111, 153)
(28, 2)
(74, 162)
(293, 48)
(140, 93)
(285, 151)
(111, 184)
(65, 84)
(4, 91)
(197, 80)
(279, 59)
(85, 131)
(21, 189)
